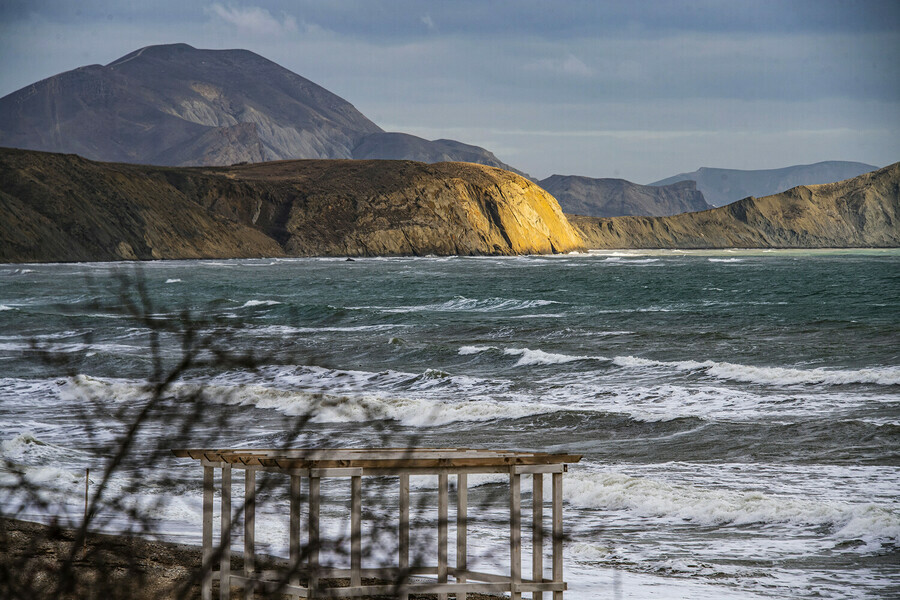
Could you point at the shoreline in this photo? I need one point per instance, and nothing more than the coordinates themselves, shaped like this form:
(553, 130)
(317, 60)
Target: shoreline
(36, 556)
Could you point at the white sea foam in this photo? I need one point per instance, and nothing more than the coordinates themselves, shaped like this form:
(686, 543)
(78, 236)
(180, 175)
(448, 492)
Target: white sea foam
(461, 303)
(529, 357)
(318, 393)
(539, 357)
(5, 307)
(871, 523)
(725, 260)
(771, 375)
(173, 281)
(251, 303)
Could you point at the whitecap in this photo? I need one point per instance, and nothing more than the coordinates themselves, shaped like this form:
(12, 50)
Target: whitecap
(772, 375)
(252, 303)
(173, 280)
(871, 523)
(540, 357)
(5, 307)
(461, 304)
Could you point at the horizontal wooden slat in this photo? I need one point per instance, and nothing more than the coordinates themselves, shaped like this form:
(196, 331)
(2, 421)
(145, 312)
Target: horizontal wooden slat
(374, 458)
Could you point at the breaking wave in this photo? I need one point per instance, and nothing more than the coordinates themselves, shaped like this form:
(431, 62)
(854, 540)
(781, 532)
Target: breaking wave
(873, 524)
(462, 304)
(772, 375)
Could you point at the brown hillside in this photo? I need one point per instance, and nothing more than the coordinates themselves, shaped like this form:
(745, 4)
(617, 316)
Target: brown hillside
(859, 212)
(56, 207)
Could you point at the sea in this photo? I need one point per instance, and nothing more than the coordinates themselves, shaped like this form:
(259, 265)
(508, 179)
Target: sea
(738, 412)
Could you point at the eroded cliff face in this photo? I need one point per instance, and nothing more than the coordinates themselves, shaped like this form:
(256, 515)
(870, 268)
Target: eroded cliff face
(859, 212)
(56, 207)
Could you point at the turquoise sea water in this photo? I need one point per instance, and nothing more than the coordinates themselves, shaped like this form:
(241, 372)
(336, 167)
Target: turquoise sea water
(738, 412)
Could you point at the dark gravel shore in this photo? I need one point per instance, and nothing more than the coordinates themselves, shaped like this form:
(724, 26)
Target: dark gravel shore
(39, 561)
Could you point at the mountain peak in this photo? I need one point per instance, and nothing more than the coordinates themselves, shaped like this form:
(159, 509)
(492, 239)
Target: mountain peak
(173, 104)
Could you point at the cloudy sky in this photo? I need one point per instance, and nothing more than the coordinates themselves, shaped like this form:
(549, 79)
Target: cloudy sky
(638, 90)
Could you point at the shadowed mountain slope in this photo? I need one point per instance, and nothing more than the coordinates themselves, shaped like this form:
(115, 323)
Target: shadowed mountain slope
(724, 186)
(56, 207)
(859, 212)
(178, 105)
(617, 197)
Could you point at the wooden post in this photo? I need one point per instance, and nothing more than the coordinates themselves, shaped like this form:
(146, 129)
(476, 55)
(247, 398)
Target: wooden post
(355, 530)
(557, 533)
(537, 532)
(294, 532)
(515, 534)
(314, 543)
(462, 517)
(206, 581)
(404, 532)
(225, 536)
(249, 529)
(443, 502)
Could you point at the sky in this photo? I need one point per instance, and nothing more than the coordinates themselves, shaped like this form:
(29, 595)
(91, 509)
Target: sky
(636, 90)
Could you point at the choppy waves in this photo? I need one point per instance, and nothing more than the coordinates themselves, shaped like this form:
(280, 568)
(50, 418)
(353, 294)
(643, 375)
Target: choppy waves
(771, 375)
(872, 524)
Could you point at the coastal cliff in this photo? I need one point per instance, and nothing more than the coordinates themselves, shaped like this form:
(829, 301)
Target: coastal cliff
(859, 212)
(56, 207)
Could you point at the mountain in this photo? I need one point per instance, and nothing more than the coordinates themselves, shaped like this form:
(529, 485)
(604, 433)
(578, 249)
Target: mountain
(178, 105)
(724, 186)
(403, 146)
(61, 207)
(617, 197)
(859, 212)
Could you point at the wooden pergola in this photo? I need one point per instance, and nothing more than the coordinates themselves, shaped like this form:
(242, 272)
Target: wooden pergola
(315, 464)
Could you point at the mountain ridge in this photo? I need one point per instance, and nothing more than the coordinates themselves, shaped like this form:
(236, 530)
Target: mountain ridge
(618, 197)
(724, 186)
(860, 212)
(175, 105)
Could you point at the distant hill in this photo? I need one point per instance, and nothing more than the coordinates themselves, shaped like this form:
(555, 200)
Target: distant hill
(617, 197)
(61, 207)
(859, 212)
(724, 186)
(403, 146)
(178, 105)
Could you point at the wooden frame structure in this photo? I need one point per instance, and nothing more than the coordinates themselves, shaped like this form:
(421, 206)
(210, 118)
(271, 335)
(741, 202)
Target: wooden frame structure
(314, 464)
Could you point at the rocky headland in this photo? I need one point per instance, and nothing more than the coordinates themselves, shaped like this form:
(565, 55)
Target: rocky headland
(61, 207)
(859, 212)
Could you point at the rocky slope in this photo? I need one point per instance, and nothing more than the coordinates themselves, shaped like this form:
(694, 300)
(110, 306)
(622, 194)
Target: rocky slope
(56, 207)
(178, 105)
(859, 212)
(618, 197)
(724, 186)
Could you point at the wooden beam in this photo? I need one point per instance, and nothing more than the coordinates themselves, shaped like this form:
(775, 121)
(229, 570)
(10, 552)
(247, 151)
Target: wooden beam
(249, 529)
(225, 536)
(443, 521)
(537, 531)
(557, 534)
(208, 490)
(515, 533)
(314, 541)
(404, 531)
(355, 530)
(294, 528)
(462, 518)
